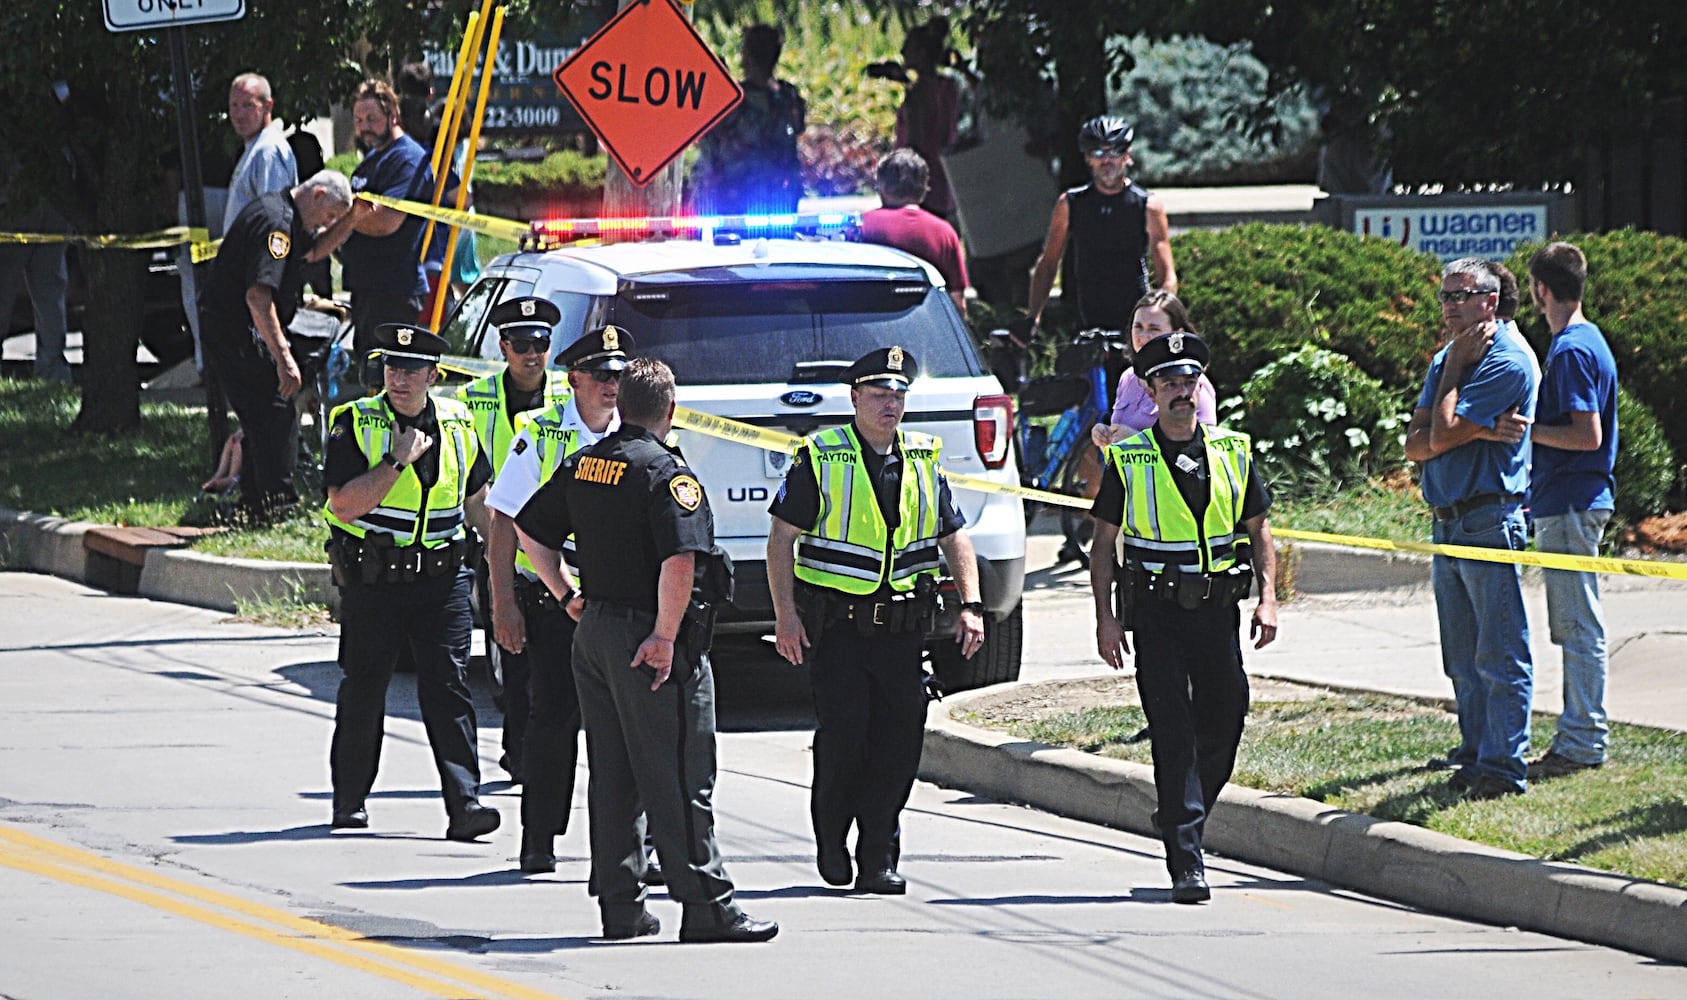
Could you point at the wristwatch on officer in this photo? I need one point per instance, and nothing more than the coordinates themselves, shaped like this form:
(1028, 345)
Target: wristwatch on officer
(393, 461)
(977, 607)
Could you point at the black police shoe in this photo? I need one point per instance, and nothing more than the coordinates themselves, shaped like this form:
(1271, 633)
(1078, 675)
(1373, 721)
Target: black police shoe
(511, 767)
(1191, 887)
(833, 862)
(350, 819)
(536, 854)
(720, 929)
(884, 882)
(475, 821)
(645, 926)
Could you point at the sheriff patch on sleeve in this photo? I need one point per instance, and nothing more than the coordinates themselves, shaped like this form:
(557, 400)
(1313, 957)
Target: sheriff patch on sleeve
(688, 492)
(280, 244)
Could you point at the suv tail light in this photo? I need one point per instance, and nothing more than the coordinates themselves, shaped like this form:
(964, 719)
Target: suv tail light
(992, 429)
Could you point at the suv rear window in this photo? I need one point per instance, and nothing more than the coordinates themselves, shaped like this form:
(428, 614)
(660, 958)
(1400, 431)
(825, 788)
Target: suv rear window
(733, 333)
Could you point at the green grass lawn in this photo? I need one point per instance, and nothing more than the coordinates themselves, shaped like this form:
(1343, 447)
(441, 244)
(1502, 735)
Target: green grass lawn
(1365, 753)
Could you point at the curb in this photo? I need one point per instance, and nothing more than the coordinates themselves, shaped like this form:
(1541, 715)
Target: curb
(1333, 569)
(55, 546)
(1396, 861)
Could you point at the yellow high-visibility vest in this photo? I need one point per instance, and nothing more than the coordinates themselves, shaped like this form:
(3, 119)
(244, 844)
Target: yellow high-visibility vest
(494, 425)
(851, 548)
(405, 513)
(1160, 532)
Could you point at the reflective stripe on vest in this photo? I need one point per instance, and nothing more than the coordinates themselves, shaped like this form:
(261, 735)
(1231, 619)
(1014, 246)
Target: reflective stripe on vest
(404, 513)
(848, 549)
(1159, 529)
(552, 443)
(494, 425)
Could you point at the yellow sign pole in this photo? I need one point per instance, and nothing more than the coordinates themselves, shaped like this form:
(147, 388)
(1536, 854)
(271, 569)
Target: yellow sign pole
(446, 139)
(486, 74)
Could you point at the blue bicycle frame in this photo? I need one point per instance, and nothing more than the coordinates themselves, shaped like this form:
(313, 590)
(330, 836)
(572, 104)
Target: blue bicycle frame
(1044, 451)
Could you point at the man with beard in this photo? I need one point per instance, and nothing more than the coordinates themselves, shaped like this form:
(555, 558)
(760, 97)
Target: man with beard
(380, 259)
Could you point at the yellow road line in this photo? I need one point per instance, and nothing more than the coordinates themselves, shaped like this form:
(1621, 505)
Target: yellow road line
(73, 866)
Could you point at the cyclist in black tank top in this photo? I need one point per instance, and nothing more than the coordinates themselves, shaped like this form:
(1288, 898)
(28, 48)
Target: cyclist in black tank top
(1118, 231)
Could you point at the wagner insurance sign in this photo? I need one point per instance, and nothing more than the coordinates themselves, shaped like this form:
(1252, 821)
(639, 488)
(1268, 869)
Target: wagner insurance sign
(1491, 230)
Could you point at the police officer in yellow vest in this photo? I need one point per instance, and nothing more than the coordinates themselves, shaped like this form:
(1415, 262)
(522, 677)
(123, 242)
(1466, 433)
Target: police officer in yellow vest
(405, 476)
(1186, 507)
(527, 617)
(501, 405)
(867, 508)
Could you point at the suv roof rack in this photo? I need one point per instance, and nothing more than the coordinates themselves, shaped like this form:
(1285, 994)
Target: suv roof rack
(548, 234)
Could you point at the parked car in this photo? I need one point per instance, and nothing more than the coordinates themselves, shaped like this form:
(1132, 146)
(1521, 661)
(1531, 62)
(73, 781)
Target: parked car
(758, 330)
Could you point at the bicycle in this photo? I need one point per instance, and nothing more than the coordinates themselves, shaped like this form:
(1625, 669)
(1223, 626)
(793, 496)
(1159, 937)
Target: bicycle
(1058, 457)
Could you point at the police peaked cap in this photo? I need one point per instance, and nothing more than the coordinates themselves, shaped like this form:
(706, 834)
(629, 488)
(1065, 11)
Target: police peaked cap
(604, 349)
(405, 346)
(887, 367)
(529, 316)
(1172, 354)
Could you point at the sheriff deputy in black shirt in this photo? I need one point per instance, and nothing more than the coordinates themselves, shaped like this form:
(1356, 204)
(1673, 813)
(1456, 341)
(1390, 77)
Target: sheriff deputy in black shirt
(405, 477)
(250, 296)
(641, 523)
(1188, 506)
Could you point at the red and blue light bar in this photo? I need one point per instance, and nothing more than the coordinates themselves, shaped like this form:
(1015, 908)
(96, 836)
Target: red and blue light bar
(555, 232)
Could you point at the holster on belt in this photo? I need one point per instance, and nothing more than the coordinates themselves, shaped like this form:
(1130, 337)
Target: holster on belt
(1124, 596)
(697, 628)
(536, 599)
(814, 609)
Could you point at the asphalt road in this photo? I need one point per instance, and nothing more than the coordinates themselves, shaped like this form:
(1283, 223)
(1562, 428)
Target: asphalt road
(163, 808)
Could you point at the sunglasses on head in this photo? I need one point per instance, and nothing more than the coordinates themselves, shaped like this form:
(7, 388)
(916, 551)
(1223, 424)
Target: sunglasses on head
(529, 345)
(605, 376)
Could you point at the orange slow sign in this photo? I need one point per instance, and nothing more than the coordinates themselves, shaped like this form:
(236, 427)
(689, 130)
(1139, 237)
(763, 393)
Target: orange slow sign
(648, 86)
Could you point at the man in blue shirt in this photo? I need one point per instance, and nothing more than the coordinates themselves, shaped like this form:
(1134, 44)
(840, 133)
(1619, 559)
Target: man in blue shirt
(1471, 432)
(380, 259)
(1572, 496)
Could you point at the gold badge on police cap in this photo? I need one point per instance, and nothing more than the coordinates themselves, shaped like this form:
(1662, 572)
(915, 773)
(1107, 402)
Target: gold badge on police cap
(611, 339)
(527, 307)
(894, 360)
(688, 492)
(404, 335)
(1176, 343)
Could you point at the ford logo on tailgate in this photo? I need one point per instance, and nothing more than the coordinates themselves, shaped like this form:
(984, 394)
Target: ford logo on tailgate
(801, 397)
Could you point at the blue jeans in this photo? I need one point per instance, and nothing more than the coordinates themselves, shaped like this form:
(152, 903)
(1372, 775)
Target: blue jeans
(1485, 643)
(1576, 623)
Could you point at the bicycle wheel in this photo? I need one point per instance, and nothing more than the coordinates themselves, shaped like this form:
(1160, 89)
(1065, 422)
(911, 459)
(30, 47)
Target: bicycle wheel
(1080, 475)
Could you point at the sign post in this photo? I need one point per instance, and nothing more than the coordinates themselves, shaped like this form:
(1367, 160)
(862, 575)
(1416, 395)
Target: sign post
(172, 15)
(648, 86)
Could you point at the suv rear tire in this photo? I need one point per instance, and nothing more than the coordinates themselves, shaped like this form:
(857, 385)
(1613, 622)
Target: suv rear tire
(996, 662)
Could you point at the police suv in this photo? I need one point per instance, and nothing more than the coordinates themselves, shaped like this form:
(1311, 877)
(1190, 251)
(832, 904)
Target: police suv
(757, 330)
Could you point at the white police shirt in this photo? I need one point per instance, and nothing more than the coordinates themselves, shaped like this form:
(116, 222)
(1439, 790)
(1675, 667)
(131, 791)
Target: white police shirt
(518, 480)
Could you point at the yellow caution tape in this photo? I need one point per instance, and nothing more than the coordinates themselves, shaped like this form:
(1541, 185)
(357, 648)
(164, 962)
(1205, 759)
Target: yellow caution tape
(504, 229)
(733, 430)
(155, 240)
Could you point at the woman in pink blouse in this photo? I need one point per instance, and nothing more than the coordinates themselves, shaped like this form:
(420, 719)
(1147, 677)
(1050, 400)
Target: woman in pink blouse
(1157, 313)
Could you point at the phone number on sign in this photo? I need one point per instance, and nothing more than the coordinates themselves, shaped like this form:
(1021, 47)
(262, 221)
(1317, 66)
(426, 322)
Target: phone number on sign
(523, 116)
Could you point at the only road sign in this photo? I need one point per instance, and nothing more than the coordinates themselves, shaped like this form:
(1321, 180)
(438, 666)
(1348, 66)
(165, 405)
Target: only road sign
(648, 86)
(142, 15)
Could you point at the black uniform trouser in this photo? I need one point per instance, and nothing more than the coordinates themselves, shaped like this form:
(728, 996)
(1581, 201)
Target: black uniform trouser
(650, 753)
(870, 709)
(1195, 693)
(517, 673)
(552, 747)
(431, 615)
(269, 420)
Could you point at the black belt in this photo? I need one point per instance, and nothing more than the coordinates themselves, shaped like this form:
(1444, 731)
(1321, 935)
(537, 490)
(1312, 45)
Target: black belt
(609, 609)
(1462, 507)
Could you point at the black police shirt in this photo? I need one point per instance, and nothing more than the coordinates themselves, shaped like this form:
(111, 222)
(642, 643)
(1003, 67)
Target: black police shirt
(517, 401)
(265, 246)
(630, 503)
(798, 500)
(1192, 483)
(345, 461)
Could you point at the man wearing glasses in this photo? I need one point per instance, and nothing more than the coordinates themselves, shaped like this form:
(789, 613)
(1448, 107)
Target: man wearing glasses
(501, 405)
(1470, 430)
(528, 622)
(1117, 231)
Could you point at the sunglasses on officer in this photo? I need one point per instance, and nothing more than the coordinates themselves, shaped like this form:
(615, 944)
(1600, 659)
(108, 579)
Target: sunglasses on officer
(605, 376)
(528, 345)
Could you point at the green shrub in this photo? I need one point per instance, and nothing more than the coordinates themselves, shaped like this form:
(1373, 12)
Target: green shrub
(1257, 292)
(1320, 424)
(1185, 96)
(563, 170)
(1635, 295)
(1646, 470)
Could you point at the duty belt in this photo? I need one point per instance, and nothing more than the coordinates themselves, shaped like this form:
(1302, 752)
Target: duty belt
(1194, 590)
(1462, 507)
